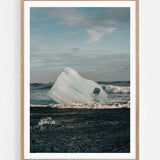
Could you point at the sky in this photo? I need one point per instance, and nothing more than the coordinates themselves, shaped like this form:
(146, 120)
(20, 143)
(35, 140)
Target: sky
(93, 41)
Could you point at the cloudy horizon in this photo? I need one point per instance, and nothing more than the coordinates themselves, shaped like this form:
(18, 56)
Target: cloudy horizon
(93, 41)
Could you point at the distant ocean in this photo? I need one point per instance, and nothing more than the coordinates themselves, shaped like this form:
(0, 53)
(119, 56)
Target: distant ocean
(84, 130)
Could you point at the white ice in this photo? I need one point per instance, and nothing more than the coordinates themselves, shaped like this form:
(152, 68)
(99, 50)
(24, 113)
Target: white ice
(71, 88)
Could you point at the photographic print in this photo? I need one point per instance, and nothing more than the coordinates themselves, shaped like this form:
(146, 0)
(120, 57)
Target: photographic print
(79, 81)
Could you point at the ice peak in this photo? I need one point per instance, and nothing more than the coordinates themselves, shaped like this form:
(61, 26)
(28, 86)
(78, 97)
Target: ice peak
(69, 70)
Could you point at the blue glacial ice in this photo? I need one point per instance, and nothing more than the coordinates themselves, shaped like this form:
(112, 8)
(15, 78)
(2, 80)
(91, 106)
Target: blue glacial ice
(71, 88)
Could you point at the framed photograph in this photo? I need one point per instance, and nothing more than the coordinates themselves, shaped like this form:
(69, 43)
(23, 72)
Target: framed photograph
(80, 80)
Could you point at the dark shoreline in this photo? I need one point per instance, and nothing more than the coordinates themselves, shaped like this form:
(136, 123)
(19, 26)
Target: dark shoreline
(80, 131)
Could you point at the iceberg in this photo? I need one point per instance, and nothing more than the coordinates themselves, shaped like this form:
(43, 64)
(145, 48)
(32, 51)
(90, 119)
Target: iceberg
(71, 88)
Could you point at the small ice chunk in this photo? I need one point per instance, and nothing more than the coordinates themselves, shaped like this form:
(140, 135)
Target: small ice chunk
(46, 121)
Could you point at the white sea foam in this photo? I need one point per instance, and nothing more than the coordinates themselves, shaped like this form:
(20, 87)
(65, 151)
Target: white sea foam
(110, 89)
(113, 105)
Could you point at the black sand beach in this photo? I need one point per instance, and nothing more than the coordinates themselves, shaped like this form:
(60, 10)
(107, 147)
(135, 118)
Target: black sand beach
(80, 130)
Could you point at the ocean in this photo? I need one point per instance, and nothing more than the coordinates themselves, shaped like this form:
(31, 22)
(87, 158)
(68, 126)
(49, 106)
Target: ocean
(80, 128)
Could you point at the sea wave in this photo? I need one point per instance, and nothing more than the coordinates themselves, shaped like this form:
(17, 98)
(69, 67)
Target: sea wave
(39, 86)
(110, 89)
(118, 92)
(115, 83)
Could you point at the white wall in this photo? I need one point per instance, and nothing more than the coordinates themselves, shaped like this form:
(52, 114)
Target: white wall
(10, 79)
(149, 79)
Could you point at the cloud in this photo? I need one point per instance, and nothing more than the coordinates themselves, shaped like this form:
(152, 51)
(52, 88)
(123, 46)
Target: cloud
(96, 26)
(96, 22)
(79, 17)
(108, 66)
(95, 34)
(69, 16)
(35, 37)
(107, 62)
(75, 17)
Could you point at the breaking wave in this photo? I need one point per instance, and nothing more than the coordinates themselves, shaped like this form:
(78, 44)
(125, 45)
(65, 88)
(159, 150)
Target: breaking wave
(113, 105)
(110, 89)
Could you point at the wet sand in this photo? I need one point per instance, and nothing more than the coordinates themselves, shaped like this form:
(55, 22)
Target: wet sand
(80, 130)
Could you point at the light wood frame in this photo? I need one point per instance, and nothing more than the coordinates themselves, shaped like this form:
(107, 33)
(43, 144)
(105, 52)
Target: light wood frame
(137, 76)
